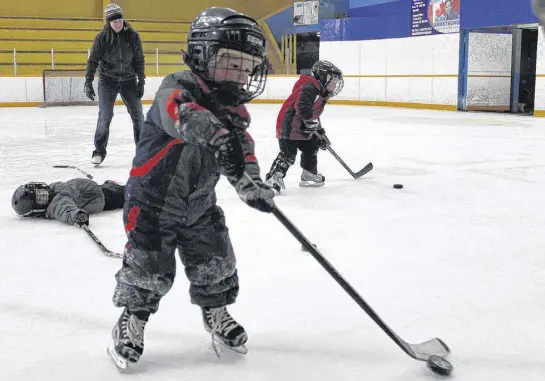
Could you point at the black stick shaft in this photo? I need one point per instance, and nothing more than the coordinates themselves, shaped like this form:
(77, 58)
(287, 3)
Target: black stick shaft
(340, 280)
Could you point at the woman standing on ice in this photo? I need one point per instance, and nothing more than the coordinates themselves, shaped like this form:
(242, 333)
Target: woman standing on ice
(118, 55)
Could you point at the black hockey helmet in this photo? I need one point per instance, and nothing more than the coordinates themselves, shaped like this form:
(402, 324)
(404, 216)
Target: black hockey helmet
(228, 50)
(330, 76)
(31, 200)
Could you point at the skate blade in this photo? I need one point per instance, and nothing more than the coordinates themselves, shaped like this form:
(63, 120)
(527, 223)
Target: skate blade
(310, 184)
(120, 362)
(241, 349)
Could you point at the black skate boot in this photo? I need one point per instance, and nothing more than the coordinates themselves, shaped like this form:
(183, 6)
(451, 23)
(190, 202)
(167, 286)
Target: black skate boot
(128, 338)
(224, 330)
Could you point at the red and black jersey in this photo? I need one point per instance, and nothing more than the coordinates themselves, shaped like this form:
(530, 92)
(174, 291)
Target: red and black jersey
(305, 103)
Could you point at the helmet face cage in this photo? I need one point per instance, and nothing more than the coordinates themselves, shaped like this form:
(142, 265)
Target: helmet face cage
(241, 74)
(329, 76)
(231, 55)
(32, 199)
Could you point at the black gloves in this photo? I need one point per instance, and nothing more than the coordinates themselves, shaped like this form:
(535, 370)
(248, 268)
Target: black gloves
(230, 155)
(81, 219)
(323, 140)
(140, 86)
(89, 91)
(256, 194)
(310, 126)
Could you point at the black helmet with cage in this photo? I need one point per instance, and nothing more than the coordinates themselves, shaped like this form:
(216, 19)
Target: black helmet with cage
(330, 76)
(228, 50)
(31, 200)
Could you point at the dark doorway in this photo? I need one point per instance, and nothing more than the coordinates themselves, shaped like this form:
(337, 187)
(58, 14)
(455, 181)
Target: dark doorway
(528, 60)
(308, 51)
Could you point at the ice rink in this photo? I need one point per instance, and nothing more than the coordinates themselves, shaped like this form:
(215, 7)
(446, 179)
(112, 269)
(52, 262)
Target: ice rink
(458, 253)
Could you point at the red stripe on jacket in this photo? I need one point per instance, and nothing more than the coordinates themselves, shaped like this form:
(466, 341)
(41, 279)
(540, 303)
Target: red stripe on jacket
(152, 162)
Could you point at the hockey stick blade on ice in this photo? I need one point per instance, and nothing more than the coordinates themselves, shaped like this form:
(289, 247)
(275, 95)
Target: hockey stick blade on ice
(355, 175)
(102, 248)
(420, 351)
(76, 168)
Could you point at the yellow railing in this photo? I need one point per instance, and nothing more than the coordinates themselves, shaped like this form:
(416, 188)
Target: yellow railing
(288, 48)
(30, 63)
(30, 45)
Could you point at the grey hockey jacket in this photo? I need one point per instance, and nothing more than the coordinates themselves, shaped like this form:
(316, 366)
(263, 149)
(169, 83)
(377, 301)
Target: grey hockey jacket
(74, 196)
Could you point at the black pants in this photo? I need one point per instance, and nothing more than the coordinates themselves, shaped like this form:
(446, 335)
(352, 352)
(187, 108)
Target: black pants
(149, 263)
(107, 94)
(114, 195)
(288, 154)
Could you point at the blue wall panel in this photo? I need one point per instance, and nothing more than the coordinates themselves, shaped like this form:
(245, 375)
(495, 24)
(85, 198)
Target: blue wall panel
(392, 7)
(363, 28)
(489, 13)
(380, 19)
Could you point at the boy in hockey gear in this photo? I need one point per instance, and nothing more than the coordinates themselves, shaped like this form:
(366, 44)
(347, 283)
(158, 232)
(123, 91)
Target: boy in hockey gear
(70, 202)
(195, 131)
(118, 55)
(298, 125)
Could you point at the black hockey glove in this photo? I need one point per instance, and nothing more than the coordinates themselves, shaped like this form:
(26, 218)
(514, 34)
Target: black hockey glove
(323, 140)
(310, 126)
(89, 91)
(256, 194)
(230, 155)
(140, 87)
(82, 218)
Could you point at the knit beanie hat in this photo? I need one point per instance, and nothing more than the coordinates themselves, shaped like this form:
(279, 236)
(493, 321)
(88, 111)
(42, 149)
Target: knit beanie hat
(113, 12)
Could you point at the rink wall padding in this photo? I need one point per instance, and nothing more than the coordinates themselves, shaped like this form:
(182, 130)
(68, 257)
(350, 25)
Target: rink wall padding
(417, 70)
(28, 92)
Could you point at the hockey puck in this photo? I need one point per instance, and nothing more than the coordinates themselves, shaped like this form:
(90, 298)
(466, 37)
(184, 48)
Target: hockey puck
(398, 186)
(439, 365)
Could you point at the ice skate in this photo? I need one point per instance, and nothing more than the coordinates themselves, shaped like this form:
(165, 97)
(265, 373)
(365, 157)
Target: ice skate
(276, 182)
(224, 330)
(128, 339)
(309, 179)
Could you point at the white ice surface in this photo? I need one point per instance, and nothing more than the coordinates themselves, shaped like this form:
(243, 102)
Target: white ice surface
(459, 254)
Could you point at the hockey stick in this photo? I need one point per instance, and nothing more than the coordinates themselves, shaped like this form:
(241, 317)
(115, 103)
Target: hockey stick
(421, 351)
(76, 168)
(355, 175)
(102, 248)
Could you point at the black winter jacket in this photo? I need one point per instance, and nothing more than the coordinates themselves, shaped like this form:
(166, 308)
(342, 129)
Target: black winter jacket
(121, 60)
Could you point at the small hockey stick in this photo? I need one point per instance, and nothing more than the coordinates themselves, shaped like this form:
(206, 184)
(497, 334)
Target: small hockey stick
(102, 248)
(421, 351)
(355, 175)
(76, 168)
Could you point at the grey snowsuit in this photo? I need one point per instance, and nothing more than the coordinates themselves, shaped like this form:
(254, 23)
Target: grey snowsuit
(76, 195)
(171, 201)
